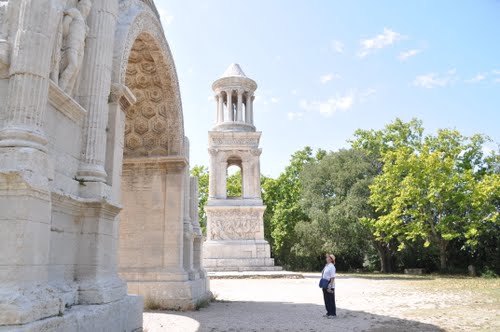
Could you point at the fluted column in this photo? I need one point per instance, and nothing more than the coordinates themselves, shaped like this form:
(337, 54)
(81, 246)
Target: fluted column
(250, 109)
(230, 105)
(217, 110)
(239, 109)
(220, 108)
(247, 107)
(29, 76)
(25, 169)
(95, 87)
(212, 179)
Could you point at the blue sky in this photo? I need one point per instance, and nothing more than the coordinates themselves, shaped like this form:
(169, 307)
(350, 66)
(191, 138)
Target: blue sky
(327, 68)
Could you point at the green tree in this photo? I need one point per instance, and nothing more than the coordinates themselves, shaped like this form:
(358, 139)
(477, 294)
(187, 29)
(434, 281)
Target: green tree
(202, 173)
(233, 185)
(335, 196)
(375, 144)
(282, 196)
(436, 190)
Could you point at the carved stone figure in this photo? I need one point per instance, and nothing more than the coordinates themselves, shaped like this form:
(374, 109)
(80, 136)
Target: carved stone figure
(4, 44)
(75, 30)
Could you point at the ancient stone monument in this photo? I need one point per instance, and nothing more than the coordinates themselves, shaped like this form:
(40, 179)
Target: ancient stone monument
(89, 92)
(235, 226)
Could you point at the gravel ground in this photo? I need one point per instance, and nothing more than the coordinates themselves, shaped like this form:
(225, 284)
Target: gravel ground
(364, 304)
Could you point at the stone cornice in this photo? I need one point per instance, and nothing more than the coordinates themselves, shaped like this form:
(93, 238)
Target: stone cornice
(85, 206)
(171, 163)
(234, 83)
(65, 104)
(222, 140)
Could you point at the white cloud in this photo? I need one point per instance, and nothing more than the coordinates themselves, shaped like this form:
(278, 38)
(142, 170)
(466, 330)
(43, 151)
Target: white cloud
(329, 107)
(277, 58)
(211, 98)
(165, 17)
(364, 95)
(387, 38)
(328, 77)
(478, 78)
(408, 54)
(275, 100)
(295, 115)
(293, 92)
(433, 80)
(337, 46)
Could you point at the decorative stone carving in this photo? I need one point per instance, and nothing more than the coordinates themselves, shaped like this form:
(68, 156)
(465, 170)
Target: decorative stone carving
(74, 33)
(230, 225)
(152, 114)
(4, 43)
(151, 57)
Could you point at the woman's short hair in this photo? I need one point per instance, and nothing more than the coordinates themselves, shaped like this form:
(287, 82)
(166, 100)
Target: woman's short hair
(332, 257)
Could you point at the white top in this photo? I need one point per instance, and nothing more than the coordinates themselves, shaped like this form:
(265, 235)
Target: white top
(233, 70)
(329, 272)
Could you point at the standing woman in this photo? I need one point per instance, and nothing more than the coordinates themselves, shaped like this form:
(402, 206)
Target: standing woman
(329, 290)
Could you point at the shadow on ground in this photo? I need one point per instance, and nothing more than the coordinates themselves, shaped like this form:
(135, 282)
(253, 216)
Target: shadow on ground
(373, 277)
(275, 316)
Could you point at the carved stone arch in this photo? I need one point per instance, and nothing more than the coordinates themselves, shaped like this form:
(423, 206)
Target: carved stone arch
(143, 62)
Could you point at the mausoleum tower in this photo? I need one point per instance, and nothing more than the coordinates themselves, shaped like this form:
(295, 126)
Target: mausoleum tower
(235, 225)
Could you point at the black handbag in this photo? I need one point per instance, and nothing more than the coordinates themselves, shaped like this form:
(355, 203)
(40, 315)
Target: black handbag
(323, 283)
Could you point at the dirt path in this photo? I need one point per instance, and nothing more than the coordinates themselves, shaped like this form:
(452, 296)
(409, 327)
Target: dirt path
(364, 304)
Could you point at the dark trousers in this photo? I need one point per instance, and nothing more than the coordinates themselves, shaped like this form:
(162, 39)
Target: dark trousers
(329, 298)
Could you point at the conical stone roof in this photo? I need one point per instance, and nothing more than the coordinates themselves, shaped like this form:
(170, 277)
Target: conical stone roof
(233, 70)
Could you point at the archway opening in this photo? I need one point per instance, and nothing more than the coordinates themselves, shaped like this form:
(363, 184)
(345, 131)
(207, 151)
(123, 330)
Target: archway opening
(234, 180)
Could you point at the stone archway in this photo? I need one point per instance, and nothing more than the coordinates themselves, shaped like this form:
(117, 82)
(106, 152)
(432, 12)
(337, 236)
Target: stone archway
(61, 164)
(159, 234)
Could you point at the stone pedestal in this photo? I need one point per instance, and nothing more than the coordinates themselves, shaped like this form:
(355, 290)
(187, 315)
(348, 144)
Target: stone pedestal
(235, 239)
(122, 315)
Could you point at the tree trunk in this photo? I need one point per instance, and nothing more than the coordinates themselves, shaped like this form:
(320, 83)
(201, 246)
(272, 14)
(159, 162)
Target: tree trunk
(385, 257)
(443, 255)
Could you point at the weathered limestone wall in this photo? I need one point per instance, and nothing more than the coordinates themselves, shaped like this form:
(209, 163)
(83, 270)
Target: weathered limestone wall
(155, 253)
(64, 107)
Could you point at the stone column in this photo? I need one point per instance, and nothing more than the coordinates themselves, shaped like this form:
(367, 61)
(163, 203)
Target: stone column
(29, 75)
(212, 179)
(246, 179)
(256, 172)
(230, 112)
(25, 170)
(120, 100)
(187, 226)
(250, 109)
(239, 109)
(222, 179)
(95, 87)
(220, 108)
(197, 236)
(217, 110)
(194, 200)
(174, 225)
